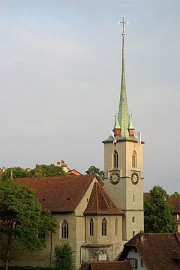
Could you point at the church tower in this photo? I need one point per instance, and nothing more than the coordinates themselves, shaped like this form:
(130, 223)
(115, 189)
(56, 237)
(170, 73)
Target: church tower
(123, 164)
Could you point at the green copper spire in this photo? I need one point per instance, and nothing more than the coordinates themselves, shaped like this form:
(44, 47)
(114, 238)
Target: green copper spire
(116, 124)
(123, 114)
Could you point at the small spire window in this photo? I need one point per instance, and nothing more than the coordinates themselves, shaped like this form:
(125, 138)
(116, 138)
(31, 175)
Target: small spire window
(115, 159)
(134, 159)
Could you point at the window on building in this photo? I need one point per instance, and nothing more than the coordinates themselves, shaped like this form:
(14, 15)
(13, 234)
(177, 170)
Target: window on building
(133, 198)
(91, 231)
(116, 226)
(115, 159)
(104, 226)
(134, 233)
(134, 159)
(64, 229)
(42, 235)
(133, 262)
(133, 219)
(142, 263)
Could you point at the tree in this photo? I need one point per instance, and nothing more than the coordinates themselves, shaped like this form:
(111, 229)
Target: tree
(158, 214)
(22, 218)
(15, 172)
(64, 260)
(47, 170)
(175, 195)
(96, 171)
(39, 171)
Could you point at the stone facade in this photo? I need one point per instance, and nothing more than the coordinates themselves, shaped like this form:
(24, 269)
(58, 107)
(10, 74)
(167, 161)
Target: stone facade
(126, 195)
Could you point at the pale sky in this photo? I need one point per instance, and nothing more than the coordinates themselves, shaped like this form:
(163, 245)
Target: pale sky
(60, 67)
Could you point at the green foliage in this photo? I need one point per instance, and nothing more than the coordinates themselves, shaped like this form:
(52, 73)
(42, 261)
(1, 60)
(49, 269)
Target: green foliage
(96, 171)
(47, 170)
(22, 216)
(175, 195)
(64, 260)
(15, 172)
(26, 268)
(38, 171)
(158, 215)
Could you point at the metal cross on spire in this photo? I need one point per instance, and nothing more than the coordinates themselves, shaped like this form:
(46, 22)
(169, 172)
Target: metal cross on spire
(123, 23)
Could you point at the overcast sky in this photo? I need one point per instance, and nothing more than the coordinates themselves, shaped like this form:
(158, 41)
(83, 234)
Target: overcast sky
(60, 67)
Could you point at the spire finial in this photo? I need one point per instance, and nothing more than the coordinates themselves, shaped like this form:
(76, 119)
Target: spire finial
(123, 23)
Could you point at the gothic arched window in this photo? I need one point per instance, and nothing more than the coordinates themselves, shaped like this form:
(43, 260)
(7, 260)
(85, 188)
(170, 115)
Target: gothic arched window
(116, 226)
(134, 159)
(115, 159)
(104, 226)
(91, 231)
(64, 229)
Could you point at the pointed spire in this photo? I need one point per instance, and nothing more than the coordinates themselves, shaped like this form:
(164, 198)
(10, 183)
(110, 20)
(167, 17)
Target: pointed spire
(131, 126)
(123, 114)
(117, 129)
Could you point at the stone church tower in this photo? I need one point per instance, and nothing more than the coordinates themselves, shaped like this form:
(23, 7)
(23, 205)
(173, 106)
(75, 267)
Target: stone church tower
(123, 164)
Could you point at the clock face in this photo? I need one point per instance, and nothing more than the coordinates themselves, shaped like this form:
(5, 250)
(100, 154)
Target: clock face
(135, 178)
(115, 178)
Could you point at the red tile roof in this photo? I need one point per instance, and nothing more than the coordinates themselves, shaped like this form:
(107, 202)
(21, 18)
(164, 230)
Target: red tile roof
(75, 172)
(100, 203)
(175, 203)
(159, 251)
(114, 265)
(59, 194)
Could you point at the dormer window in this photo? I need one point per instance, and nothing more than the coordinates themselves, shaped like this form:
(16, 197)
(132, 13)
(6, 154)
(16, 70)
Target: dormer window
(133, 262)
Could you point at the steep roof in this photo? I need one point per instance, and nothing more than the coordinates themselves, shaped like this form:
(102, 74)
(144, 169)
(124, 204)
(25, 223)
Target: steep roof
(113, 265)
(59, 194)
(100, 203)
(157, 250)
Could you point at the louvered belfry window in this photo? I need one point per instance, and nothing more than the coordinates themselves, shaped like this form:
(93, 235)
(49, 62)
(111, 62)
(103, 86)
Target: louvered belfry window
(115, 159)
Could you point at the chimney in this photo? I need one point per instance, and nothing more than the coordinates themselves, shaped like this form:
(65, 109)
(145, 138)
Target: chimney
(58, 163)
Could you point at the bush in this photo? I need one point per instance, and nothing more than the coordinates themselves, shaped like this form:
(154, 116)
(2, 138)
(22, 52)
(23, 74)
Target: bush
(25, 268)
(64, 260)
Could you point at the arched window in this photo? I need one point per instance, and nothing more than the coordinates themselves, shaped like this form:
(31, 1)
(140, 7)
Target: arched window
(91, 231)
(133, 219)
(115, 159)
(116, 226)
(104, 226)
(134, 159)
(64, 229)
